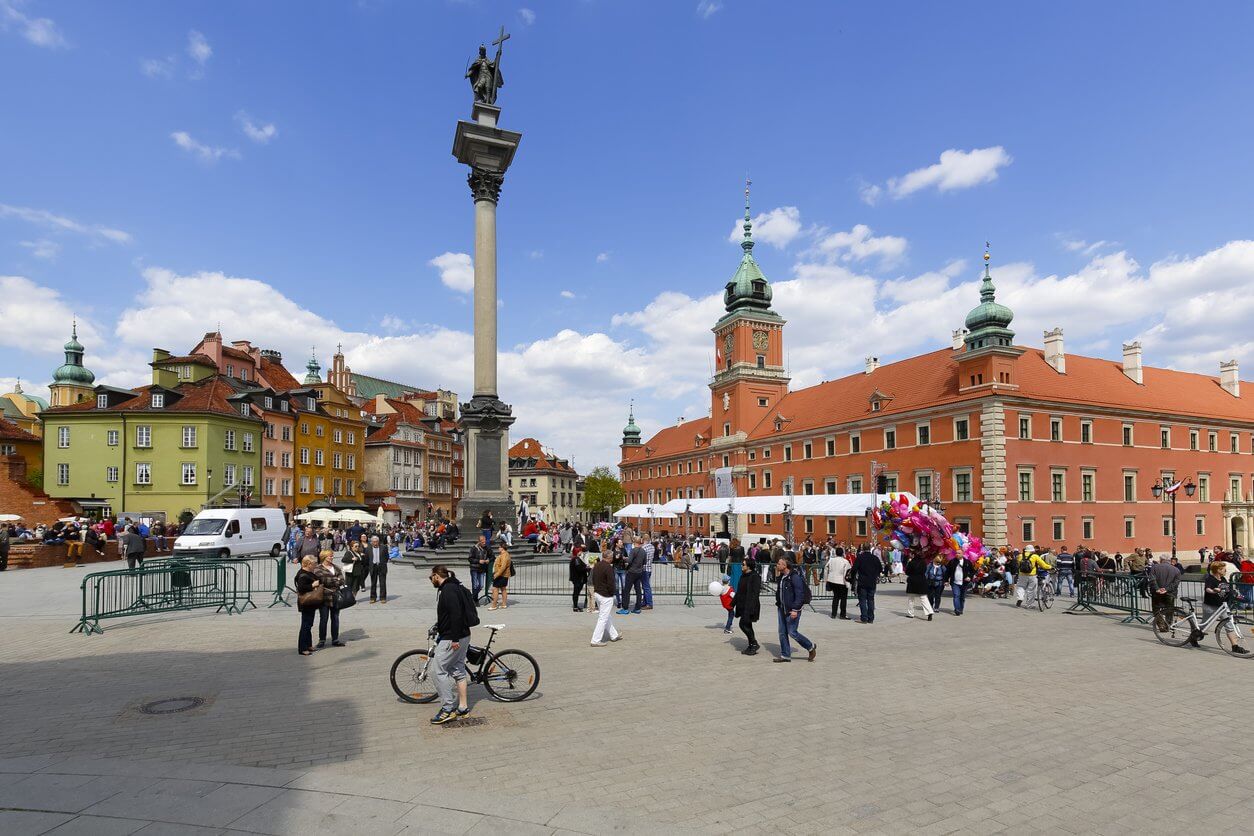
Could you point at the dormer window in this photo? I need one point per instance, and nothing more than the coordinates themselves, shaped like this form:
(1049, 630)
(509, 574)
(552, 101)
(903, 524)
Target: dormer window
(245, 409)
(269, 402)
(230, 370)
(282, 406)
(102, 402)
(243, 374)
(158, 400)
(759, 287)
(311, 404)
(875, 405)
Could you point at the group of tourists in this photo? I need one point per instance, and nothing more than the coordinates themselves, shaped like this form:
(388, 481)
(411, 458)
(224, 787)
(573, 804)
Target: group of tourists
(84, 536)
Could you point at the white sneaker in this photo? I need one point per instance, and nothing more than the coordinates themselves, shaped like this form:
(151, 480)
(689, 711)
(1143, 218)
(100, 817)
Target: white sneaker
(617, 638)
(598, 644)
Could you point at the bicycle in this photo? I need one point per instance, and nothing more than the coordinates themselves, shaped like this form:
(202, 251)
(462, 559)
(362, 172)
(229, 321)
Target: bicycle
(508, 675)
(1044, 591)
(1174, 627)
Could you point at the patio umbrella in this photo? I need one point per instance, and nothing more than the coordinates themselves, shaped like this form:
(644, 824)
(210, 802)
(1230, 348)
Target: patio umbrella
(322, 515)
(10, 517)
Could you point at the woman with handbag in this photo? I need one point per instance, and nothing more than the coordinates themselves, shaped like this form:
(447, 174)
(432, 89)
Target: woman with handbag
(331, 578)
(355, 568)
(501, 571)
(308, 602)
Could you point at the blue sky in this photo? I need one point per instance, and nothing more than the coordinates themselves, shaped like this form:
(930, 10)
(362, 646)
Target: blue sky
(285, 168)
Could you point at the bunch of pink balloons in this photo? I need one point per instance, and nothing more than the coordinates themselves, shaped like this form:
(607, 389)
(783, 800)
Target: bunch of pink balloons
(911, 527)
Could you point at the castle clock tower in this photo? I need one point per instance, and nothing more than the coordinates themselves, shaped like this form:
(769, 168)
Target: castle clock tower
(750, 378)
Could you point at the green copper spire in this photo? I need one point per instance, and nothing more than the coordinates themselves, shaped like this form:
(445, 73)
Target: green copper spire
(989, 322)
(73, 371)
(313, 376)
(631, 433)
(748, 290)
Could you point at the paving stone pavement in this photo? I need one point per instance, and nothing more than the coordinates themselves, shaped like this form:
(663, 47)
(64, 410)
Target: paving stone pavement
(1003, 720)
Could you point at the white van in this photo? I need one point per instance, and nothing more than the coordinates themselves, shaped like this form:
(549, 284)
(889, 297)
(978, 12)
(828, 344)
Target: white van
(233, 532)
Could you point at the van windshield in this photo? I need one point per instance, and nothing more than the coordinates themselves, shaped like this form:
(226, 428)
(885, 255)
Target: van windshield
(202, 527)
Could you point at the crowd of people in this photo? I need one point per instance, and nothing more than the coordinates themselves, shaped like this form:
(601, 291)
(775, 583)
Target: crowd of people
(85, 536)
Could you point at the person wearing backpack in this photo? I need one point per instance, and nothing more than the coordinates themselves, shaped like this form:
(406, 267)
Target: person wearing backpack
(791, 594)
(1029, 563)
(455, 614)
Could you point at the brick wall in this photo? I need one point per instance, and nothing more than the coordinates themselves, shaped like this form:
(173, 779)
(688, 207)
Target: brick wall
(18, 497)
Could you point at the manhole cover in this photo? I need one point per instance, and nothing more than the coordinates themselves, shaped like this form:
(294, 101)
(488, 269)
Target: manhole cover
(466, 723)
(173, 705)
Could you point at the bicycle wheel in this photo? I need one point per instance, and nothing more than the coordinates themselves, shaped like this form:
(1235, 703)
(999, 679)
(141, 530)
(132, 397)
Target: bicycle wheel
(511, 675)
(1226, 646)
(413, 678)
(1047, 597)
(1172, 626)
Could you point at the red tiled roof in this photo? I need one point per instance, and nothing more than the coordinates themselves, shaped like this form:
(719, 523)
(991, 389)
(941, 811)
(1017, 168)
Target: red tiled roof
(405, 413)
(672, 440)
(530, 448)
(9, 431)
(236, 353)
(209, 395)
(275, 374)
(199, 359)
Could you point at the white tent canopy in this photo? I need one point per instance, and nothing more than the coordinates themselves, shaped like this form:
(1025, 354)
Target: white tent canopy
(819, 505)
(650, 512)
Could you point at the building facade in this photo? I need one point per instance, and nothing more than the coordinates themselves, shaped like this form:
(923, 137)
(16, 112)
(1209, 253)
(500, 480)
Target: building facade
(396, 451)
(157, 450)
(548, 484)
(1017, 444)
(72, 382)
(23, 409)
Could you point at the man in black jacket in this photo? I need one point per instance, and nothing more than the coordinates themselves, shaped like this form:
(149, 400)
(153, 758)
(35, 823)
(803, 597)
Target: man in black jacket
(790, 592)
(747, 606)
(480, 565)
(453, 616)
(866, 573)
(635, 577)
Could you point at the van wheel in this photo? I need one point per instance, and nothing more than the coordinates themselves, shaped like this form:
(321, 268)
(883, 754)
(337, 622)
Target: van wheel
(275, 551)
(223, 554)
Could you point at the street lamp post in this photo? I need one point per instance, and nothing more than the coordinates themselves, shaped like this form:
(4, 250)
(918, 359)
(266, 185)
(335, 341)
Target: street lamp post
(1171, 490)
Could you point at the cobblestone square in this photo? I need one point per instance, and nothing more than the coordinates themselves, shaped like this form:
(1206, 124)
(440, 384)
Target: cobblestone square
(1002, 720)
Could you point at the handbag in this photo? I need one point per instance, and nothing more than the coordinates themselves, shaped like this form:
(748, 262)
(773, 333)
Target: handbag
(312, 598)
(345, 597)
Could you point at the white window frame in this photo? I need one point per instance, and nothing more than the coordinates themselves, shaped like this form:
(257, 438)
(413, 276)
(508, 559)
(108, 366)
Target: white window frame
(189, 436)
(920, 429)
(63, 473)
(143, 473)
(187, 473)
(111, 474)
(112, 437)
(63, 437)
(143, 435)
(158, 400)
(102, 401)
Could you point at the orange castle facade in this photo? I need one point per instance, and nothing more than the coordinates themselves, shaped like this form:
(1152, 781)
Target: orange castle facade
(1017, 444)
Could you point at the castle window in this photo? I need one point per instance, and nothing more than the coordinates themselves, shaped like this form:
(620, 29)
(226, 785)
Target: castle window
(761, 361)
(762, 402)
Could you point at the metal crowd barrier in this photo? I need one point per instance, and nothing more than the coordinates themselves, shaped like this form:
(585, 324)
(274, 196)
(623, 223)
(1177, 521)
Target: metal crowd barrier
(164, 586)
(268, 574)
(1112, 591)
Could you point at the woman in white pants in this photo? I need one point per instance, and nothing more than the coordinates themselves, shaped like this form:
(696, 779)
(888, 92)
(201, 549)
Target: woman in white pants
(603, 597)
(916, 586)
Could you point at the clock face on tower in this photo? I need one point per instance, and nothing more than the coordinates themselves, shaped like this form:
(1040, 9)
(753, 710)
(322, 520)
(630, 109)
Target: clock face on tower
(759, 341)
(729, 341)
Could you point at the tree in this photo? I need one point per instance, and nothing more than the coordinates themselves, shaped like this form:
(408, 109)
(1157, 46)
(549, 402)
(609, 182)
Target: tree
(602, 492)
(35, 478)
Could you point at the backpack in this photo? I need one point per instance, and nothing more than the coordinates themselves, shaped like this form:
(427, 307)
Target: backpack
(1025, 565)
(468, 604)
(805, 590)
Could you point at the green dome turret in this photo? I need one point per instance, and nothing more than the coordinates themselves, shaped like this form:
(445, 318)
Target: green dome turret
(313, 372)
(989, 321)
(73, 372)
(748, 289)
(631, 432)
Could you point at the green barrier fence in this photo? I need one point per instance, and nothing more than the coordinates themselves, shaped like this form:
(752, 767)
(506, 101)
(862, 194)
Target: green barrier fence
(164, 586)
(268, 575)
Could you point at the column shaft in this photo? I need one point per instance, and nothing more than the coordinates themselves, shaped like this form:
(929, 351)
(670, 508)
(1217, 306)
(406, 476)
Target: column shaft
(485, 297)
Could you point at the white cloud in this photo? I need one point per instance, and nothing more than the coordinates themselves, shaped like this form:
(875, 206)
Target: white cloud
(1085, 247)
(955, 170)
(457, 271)
(260, 133)
(778, 227)
(706, 9)
(204, 153)
(392, 324)
(43, 248)
(45, 317)
(537, 254)
(527, 16)
(859, 244)
(567, 294)
(199, 51)
(40, 31)
(49, 220)
(158, 67)
(602, 258)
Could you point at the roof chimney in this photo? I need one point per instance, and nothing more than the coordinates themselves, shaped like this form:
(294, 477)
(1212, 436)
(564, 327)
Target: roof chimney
(1053, 351)
(958, 337)
(679, 420)
(1132, 361)
(872, 363)
(1229, 378)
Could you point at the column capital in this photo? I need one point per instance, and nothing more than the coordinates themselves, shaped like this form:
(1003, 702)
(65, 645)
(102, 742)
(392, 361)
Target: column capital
(484, 184)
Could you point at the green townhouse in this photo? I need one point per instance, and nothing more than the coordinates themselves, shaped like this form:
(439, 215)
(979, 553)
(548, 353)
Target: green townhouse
(167, 450)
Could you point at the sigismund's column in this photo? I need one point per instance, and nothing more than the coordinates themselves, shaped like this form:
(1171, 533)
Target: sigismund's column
(488, 151)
